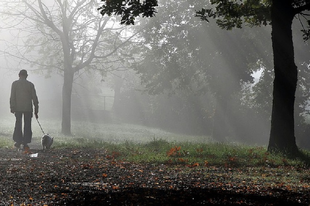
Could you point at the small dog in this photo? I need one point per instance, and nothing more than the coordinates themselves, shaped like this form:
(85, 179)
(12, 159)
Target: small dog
(47, 141)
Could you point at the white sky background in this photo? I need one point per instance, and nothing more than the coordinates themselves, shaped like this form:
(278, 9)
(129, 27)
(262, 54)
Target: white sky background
(257, 75)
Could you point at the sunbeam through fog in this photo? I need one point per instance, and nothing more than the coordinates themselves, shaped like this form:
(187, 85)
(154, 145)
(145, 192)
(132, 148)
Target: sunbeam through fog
(172, 72)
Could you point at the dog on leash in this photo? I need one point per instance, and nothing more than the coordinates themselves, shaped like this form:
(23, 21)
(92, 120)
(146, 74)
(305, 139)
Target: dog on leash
(47, 141)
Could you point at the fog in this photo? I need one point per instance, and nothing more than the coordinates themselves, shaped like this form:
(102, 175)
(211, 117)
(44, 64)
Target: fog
(48, 90)
(208, 90)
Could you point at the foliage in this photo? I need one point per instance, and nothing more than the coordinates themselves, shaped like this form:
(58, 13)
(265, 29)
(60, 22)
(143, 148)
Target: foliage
(129, 9)
(195, 59)
(228, 14)
(186, 59)
(232, 14)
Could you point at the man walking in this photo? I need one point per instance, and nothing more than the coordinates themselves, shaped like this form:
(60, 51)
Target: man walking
(23, 97)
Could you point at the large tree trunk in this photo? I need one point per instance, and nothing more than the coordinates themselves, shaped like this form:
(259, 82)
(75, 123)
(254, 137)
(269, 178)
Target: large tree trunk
(68, 82)
(282, 136)
(66, 102)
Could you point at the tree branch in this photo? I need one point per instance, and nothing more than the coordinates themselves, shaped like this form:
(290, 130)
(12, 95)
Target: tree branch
(300, 9)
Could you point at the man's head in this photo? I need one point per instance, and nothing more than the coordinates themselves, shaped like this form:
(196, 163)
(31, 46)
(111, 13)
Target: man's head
(23, 73)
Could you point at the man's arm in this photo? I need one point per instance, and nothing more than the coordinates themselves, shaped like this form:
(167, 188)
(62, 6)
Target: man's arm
(35, 102)
(13, 98)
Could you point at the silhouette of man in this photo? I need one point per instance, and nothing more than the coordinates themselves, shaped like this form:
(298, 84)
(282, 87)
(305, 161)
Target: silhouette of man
(23, 97)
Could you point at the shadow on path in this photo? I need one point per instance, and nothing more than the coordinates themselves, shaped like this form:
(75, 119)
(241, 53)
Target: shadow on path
(197, 196)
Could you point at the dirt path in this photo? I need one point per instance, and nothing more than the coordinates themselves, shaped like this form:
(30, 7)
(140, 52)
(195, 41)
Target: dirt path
(94, 177)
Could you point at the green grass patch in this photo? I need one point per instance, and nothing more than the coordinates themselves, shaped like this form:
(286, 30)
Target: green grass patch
(150, 145)
(202, 155)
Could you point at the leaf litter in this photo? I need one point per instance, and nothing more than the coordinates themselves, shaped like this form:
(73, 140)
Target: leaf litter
(94, 177)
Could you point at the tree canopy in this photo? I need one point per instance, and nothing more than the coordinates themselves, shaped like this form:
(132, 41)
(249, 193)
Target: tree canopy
(229, 14)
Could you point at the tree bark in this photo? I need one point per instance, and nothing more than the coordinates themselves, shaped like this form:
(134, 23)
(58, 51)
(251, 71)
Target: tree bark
(66, 102)
(67, 85)
(282, 137)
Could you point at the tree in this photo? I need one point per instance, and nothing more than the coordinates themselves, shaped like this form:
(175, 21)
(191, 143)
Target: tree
(68, 36)
(229, 14)
(186, 60)
(259, 96)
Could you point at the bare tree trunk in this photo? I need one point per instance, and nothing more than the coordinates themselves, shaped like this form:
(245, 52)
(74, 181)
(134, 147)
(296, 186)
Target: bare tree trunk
(66, 102)
(282, 137)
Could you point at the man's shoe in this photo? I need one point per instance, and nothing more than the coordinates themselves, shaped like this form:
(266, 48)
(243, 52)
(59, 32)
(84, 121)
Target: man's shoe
(17, 145)
(26, 147)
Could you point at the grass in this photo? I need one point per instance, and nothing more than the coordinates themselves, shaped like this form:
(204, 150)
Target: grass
(90, 134)
(141, 144)
(203, 154)
(241, 165)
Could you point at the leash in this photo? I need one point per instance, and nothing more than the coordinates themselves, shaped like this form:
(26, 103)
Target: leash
(40, 126)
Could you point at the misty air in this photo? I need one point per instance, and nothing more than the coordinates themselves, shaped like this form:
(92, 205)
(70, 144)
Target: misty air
(152, 102)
